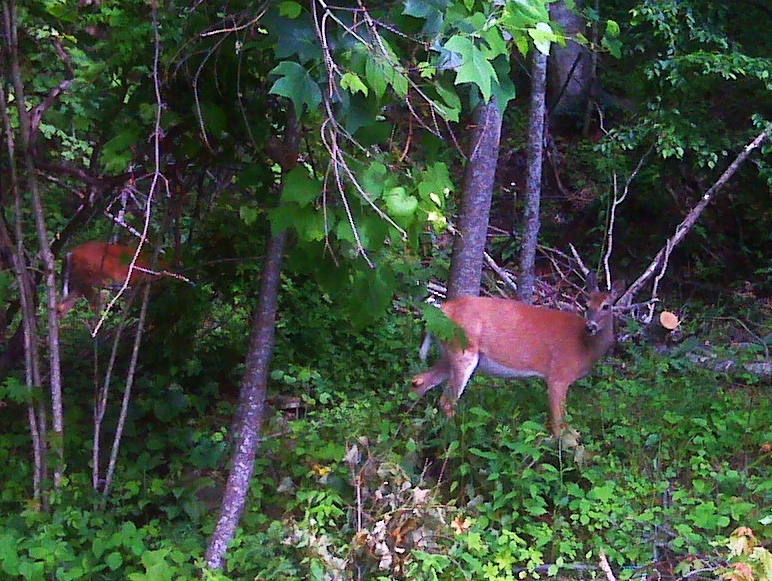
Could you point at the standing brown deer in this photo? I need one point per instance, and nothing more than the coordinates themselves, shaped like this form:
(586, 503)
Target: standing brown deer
(96, 265)
(511, 339)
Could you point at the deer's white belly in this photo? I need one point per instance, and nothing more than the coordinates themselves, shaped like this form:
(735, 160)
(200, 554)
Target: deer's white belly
(492, 368)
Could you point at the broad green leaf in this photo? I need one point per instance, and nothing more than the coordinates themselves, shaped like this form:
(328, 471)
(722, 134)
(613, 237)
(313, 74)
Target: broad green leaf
(504, 90)
(426, 70)
(376, 76)
(290, 9)
(300, 188)
(497, 46)
(344, 231)
(521, 42)
(285, 217)
(613, 46)
(521, 15)
(543, 37)
(306, 221)
(13, 389)
(374, 179)
(249, 214)
(296, 84)
(435, 184)
(117, 152)
(441, 326)
(431, 11)
(114, 560)
(612, 29)
(9, 554)
(352, 83)
(361, 112)
(370, 294)
(214, 117)
(294, 37)
(450, 107)
(533, 10)
(399, 82)
(400, 203)
(384, 68)
(474, 68)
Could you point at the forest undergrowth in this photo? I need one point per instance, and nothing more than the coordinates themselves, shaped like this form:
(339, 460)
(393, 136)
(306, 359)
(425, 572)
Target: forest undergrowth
(358, 480)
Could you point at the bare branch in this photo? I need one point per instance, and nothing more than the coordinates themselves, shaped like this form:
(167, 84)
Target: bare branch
(618, 200)
(660, 260)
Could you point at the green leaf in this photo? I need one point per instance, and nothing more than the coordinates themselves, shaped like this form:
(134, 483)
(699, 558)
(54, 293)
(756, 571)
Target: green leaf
(543, 36)
(474, 68)
(248, 214)
(114, 561)
(290, 9)
(296, 84)
(344, 231)
(431, 11)
(504, 91)
(400, 203)
(520, 15)
(374, 179)
(451, 103)
(353, 84)
(13, 389)
(305, 220)
(612, 29)
(214, 118)
(435, 184)
(613, 46)
(496, 45)
(9, 555)
(117, 153)
(521, 42)
(439, 325)
(485, 454)
(294, 37)
(300, 188)
(375, 74)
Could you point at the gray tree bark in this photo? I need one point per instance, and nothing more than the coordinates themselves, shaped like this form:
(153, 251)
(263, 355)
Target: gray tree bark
(531, 221)
(571, 70)
(252, 397)
(251, 410)
(479, 176)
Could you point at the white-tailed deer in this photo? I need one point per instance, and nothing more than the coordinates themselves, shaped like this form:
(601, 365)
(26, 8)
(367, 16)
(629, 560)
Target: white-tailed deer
(95, 265)
(507, 338)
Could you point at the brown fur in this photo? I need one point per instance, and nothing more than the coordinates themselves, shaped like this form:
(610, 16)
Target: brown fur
(96, 265)
(507, 338)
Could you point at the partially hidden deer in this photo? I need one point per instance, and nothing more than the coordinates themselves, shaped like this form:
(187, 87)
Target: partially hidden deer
(511, 339)
(95, 265)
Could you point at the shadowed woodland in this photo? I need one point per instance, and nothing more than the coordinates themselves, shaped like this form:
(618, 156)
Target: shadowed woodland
(224, 232)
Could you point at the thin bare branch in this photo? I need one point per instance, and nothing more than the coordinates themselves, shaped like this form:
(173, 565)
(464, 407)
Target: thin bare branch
(660, 260)
(617, 201)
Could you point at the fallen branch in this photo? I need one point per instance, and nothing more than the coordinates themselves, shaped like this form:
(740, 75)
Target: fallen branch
(660, 260)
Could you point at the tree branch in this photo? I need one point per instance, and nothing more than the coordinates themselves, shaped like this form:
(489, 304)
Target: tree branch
(691, 218)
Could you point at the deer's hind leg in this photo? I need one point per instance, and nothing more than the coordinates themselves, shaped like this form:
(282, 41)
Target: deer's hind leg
(462, 365)
(432, 377)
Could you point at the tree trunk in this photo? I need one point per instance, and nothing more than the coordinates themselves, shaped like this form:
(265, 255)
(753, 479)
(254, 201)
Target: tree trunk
(253, 398)
(571, 71)
(469, 243)
(251, 410)
(20, 153)
(533, 184)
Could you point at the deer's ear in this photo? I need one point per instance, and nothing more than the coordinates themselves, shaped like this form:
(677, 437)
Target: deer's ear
(592, 282)
(617, 288)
